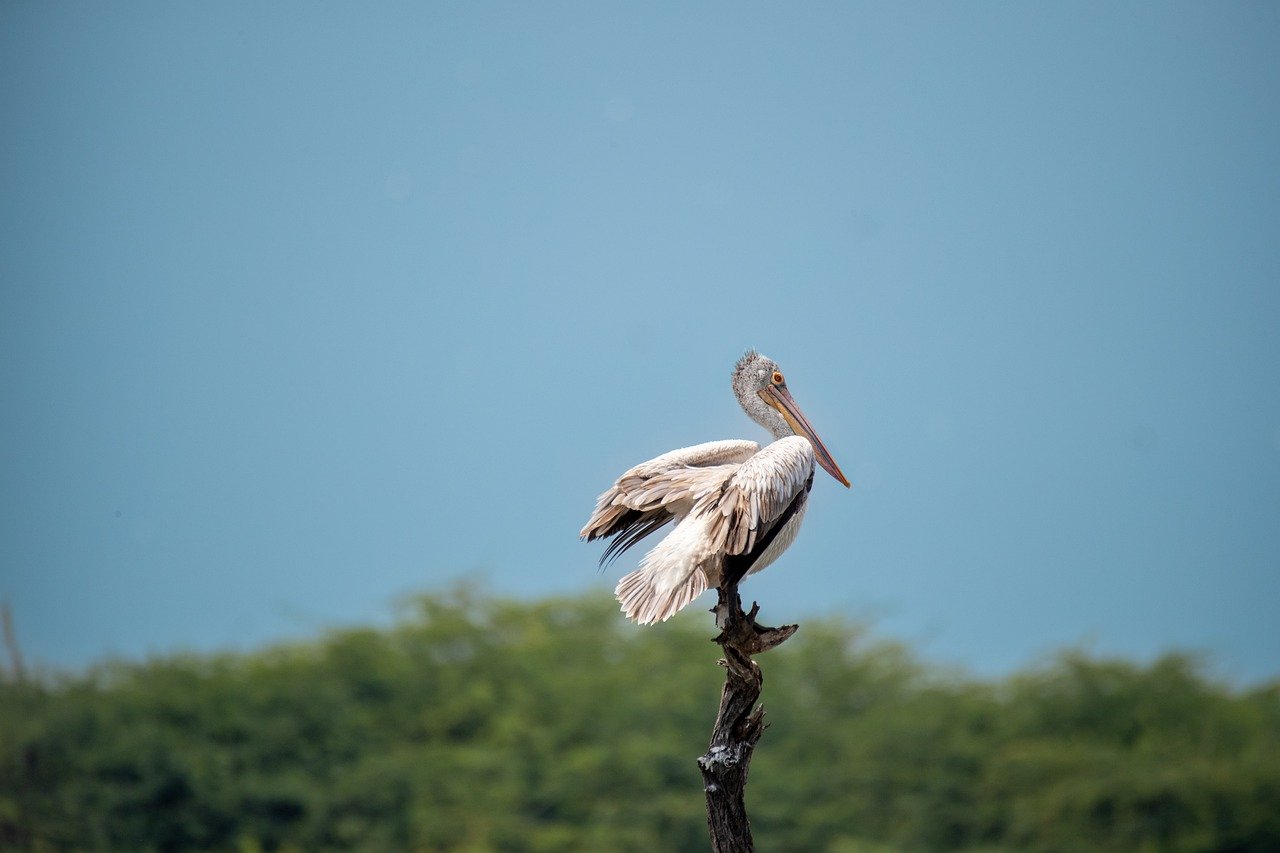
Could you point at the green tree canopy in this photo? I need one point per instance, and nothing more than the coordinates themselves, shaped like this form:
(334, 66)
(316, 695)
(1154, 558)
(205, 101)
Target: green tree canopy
(477, 723)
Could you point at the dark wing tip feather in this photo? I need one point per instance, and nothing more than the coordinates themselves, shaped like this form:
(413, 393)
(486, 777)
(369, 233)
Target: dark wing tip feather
(629, 530)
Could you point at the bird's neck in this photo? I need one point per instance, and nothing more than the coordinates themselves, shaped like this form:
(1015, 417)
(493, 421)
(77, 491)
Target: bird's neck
(772, 422)
(779, 431)
(765, 415)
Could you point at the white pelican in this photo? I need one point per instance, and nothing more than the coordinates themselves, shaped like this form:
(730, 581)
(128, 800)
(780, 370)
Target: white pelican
(737, 506)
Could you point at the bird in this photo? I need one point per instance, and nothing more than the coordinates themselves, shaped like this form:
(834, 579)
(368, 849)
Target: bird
(736, 505)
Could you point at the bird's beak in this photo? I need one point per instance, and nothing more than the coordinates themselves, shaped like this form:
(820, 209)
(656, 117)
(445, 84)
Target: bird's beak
(780, 398)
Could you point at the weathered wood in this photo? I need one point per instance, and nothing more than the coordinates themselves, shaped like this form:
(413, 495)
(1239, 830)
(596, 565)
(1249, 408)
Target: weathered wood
(740, 722)
(11, 643)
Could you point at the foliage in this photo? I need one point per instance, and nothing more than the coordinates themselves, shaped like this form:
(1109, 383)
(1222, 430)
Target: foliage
(480, 724)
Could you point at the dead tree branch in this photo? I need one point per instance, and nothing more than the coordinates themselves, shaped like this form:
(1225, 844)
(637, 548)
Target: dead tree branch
(740, 722)
(10, 638)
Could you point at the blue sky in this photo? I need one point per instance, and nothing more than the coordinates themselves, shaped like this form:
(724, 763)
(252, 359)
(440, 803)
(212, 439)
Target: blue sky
(308, 307)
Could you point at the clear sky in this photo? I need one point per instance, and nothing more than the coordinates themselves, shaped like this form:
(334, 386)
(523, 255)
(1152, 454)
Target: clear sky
(306, 307)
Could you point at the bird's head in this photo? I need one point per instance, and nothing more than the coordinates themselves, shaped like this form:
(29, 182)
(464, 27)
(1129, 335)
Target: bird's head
(762, 392)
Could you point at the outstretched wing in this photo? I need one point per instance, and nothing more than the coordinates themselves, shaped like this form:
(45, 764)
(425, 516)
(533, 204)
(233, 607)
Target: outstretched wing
(652, 493)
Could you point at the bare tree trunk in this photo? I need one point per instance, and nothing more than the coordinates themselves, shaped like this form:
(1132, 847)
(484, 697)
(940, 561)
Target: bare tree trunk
(740, 722)
(11, 642)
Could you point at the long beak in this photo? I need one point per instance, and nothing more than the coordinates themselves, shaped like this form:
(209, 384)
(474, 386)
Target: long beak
(780, 399)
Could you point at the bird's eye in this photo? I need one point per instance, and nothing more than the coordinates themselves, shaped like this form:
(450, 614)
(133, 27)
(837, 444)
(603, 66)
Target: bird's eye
(777, 378)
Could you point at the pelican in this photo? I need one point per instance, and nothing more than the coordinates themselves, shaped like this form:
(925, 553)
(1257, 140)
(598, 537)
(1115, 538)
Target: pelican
(736, 506)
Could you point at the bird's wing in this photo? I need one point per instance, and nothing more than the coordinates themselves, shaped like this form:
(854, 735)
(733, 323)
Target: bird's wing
(646, 497)
(757, 495)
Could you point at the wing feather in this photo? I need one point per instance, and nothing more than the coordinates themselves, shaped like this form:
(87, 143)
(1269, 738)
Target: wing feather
(634, 527)
(759, 492)
(648, 496)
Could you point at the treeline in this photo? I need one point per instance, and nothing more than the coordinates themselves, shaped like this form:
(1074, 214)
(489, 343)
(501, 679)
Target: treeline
(480, 724)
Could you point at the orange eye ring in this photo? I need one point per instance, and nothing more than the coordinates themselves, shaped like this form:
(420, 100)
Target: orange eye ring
(777, 378)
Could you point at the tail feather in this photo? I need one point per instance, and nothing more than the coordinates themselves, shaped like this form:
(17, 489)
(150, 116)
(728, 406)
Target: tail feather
(671, 575)
(648, 595)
